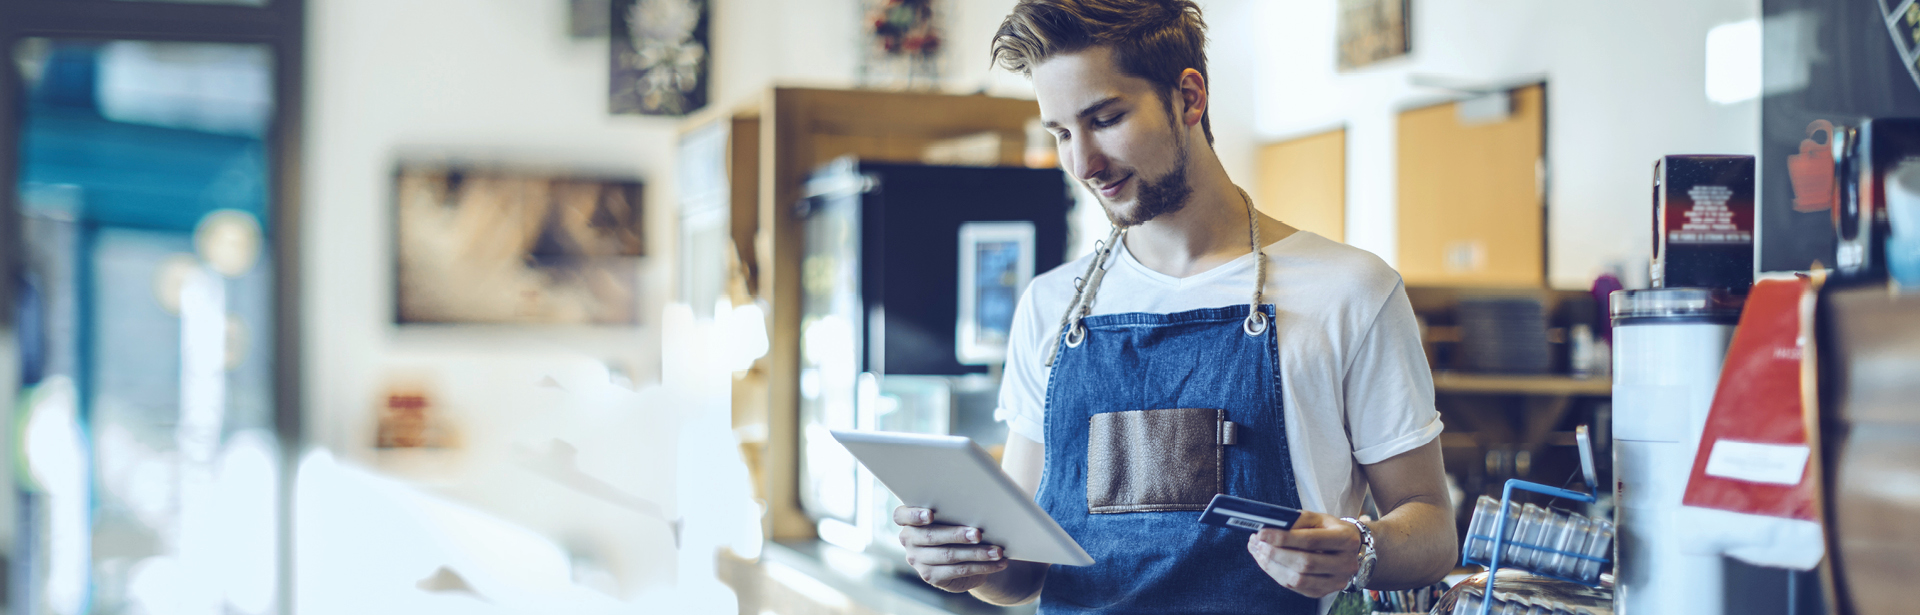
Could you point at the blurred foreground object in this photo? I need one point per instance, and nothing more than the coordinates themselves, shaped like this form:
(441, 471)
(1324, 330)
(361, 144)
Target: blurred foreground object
(1870, 428)
(1529, 592)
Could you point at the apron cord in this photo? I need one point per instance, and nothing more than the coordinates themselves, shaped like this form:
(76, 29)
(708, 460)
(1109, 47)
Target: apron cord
(1256, 321)
(1259, 264)
(1100, 252)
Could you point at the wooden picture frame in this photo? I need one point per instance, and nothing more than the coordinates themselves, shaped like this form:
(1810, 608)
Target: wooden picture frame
(1373, 30)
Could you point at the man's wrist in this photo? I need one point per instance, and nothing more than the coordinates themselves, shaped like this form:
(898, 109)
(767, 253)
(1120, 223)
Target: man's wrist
(1019, 583)
(1367, 555)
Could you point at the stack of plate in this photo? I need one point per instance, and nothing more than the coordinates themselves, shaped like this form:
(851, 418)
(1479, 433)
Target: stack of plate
(1504, 335)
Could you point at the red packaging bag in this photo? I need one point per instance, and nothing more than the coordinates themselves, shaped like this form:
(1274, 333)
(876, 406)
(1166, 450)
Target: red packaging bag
(1750, 495)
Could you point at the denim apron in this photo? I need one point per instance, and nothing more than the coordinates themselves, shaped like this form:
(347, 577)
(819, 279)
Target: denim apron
(1153, 555)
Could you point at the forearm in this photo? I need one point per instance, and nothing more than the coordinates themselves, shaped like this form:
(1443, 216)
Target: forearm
(1018, 584)
(1416, 544)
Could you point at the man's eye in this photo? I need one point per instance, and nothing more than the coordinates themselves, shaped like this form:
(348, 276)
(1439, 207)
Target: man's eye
(1060, 136)
(1108, 121)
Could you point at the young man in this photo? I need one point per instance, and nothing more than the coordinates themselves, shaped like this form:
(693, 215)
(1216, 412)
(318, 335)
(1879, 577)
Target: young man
(1206, 348)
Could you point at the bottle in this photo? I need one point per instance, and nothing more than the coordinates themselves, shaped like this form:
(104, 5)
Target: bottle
(1580, 355)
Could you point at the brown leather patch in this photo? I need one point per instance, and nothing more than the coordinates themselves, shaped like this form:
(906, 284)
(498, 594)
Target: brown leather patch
(1155, 460)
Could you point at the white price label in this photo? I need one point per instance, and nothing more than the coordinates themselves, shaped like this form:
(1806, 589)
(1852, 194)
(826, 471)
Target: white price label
(1779, 464)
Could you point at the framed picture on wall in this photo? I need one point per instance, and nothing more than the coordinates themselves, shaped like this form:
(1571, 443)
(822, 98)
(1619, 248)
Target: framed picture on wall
(1371, 31)
(488, 245)
(661, 56)
(996, 263)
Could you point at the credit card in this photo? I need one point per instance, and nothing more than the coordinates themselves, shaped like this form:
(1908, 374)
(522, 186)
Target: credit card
(1241, 513)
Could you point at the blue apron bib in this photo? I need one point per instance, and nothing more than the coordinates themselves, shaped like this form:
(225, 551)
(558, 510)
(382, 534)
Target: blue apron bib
(1161, 559)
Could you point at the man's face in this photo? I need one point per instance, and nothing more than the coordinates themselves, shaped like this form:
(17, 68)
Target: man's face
(1116, 136)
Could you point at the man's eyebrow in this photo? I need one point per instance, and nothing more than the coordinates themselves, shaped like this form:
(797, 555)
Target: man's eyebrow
(1090, 110)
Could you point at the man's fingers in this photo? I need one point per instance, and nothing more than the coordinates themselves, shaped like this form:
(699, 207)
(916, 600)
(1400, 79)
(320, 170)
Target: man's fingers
(1311, 574)
(943, 574)
(910, 516)
(1308, 562)
(1333, 539)
(948, 556)
(939, 535)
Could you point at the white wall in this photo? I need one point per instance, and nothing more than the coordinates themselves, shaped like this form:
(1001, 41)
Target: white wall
(490, 80)
(500, 81)
(1625, 84)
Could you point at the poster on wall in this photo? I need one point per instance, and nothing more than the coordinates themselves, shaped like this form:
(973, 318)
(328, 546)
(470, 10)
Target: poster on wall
(1827, 66)
(1371, 31)
(661, 57)
(483, 245)
(902, 48)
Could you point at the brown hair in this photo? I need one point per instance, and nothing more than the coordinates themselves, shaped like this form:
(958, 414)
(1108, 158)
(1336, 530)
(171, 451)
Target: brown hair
(1155, 40)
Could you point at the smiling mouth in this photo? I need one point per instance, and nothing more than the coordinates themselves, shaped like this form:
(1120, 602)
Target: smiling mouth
(1113, 188)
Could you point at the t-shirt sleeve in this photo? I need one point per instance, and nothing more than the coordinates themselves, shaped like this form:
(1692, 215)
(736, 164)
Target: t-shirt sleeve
(1389, 387)
(1023, 384)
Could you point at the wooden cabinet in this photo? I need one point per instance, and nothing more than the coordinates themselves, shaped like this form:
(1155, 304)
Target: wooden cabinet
(1303, 182)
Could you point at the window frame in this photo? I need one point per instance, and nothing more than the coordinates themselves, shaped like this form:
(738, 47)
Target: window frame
(279, 25)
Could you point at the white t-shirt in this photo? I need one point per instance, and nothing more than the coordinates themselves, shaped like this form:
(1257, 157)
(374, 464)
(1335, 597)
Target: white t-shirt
(1355, 384)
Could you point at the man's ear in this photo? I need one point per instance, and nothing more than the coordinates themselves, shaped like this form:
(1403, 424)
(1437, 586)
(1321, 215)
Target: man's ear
(1193, 97)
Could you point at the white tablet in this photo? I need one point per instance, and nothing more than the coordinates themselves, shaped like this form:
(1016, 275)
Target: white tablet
(961, 484)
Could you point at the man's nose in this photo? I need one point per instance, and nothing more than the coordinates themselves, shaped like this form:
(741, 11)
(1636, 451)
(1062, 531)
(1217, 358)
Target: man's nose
(1085, 160)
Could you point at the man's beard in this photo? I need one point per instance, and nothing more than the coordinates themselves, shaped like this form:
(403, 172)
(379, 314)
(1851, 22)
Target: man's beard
(1167, 194)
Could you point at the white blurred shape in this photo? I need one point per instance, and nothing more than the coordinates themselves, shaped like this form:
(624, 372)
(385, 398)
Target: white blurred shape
(203, 361)
(153, 586)
(203, 389)
(745, 328)
(58, 466)
(748, 543)
(829, 599)
(220, 88)
(363, 543)
(1733, 62)
(246, 506)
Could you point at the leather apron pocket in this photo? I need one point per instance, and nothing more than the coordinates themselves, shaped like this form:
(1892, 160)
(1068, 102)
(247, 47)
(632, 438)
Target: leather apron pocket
(1156, 460)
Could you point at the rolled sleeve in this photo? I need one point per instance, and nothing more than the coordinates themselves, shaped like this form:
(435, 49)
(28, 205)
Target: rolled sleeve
(1389, 387)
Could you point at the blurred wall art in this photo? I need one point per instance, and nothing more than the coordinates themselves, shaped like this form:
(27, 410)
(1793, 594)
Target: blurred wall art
(661, 56)
(488, 245)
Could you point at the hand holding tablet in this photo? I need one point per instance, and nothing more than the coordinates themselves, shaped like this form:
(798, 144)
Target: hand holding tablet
(962, 486)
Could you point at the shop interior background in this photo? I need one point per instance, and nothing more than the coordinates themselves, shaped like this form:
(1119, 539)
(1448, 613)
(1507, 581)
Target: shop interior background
(598, 467)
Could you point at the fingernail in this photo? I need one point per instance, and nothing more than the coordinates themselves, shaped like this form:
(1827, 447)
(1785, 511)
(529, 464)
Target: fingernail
(997, 553)
(973, 536)
(926, 517)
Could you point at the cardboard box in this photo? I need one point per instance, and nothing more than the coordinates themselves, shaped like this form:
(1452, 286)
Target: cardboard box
(1703, 222)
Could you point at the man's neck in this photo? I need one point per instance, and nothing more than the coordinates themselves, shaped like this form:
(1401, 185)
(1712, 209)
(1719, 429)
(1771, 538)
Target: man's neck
(1209, 231)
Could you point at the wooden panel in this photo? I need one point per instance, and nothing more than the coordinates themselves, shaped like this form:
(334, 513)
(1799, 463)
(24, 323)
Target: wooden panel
(1495, 384)
(1303, 182)
(1471, 211)
(743, 176)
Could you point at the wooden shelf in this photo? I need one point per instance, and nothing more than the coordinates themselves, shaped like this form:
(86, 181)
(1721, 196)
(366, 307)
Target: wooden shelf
(1494, 384)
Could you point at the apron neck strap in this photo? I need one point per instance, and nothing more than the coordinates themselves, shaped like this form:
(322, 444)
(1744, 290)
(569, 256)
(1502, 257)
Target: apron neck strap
(1087, 286)
(1084, 288)
(1256, 320)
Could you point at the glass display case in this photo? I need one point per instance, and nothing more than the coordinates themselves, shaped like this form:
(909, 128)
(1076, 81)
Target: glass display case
(909, 277)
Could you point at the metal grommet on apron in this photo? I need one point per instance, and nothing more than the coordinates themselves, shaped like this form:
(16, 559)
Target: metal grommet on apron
(1212, 371)
(1255, 324)
(1075, 335)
